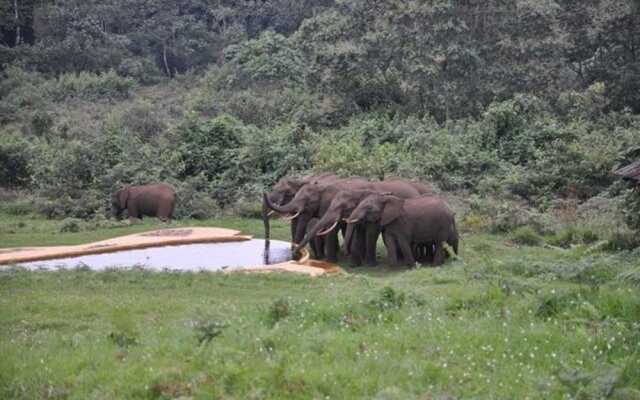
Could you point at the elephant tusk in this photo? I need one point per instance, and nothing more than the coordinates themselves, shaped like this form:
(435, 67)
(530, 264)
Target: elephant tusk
(289, 218)
(352, 221)
(270, 213)
(324, 232)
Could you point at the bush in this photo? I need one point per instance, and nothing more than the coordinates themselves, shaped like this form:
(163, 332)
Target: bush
(249, 209)
(193, 199)
(17, 207)
(71, 225)
(16, 156)
(623, 240)
(141, 69)
(279, 310)
(527, 236)
(89, 86)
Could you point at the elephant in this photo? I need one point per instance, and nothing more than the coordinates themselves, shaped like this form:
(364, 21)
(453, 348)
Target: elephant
(154, 200)
(365, 235)
(407, 223)
(422, 188)
(317, 243)
(284, 191)
(312, 201)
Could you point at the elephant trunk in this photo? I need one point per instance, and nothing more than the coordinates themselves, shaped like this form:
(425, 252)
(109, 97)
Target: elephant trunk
(348, 236)
(286, 209)
(265, 219)
(321, 228)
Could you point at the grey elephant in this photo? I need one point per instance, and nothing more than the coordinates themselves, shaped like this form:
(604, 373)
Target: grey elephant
(153, 200)
(362, 238)
(312, 201)
(408, 223)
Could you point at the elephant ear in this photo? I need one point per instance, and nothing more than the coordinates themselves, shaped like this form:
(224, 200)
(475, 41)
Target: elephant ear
(393, 209)
(123, 196)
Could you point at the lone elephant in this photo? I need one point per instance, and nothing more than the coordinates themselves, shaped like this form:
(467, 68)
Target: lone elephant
(154, 200)
(407, 223)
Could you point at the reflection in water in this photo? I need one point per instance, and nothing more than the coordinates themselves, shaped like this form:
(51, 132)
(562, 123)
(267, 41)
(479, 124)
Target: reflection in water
(266, 252)
(190, 257)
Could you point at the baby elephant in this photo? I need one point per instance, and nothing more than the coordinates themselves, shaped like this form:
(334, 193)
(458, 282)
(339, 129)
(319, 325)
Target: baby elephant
(407, 223)
(154, 200)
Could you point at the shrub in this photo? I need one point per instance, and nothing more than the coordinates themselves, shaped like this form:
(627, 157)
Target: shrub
(16, 156)
(17, 207)
(632, 276)
(208, 329)
(71, 225)
(141, 69)
(279, 310)
(527, 236)
(210, 146)
(143, 119)
(125, 332)
(249, 209)
(623, 240)
(193, 199)
(389, 298)
(89, 86)
(551, 304)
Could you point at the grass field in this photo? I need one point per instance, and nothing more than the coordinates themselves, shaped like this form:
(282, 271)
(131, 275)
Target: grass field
(500, 322)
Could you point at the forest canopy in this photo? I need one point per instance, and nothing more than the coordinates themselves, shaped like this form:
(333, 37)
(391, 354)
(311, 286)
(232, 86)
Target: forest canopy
(536, 99)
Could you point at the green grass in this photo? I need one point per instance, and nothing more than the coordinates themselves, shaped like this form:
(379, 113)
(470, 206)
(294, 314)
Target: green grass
(501, 321)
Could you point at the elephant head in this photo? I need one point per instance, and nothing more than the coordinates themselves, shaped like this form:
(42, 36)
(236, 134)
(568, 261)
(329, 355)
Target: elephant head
(340, 208)
(283, 192)
(119, 201)
(304, 205)
(382, 209)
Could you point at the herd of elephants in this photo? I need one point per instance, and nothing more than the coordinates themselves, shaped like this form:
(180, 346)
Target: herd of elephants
(414, 222)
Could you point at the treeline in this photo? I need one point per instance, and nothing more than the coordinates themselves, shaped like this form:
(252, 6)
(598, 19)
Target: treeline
(444, 58)
(538, 100)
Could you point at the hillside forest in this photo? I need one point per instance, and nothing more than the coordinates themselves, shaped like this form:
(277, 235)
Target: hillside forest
(518, 109)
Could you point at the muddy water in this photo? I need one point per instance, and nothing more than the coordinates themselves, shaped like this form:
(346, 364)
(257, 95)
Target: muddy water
(190, 257)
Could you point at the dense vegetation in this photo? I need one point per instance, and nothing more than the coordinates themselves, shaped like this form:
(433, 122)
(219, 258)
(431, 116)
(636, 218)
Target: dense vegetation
(526, 101)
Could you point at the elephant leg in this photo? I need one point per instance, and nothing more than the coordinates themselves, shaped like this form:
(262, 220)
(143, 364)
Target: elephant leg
(407, 253)
(319, 244)
(294, 227)
(371, 241)
(132, 210)
(416, 248)
(331, 246)
(439, 254)
(357, 243)
(312, 243)
(301, 224)
(392, 249)
(347, 234)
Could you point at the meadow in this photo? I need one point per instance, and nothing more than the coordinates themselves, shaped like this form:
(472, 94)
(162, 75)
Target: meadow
(502, 321)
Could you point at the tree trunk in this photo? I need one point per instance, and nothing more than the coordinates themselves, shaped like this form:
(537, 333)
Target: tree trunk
(17, 17)
(164, 58)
